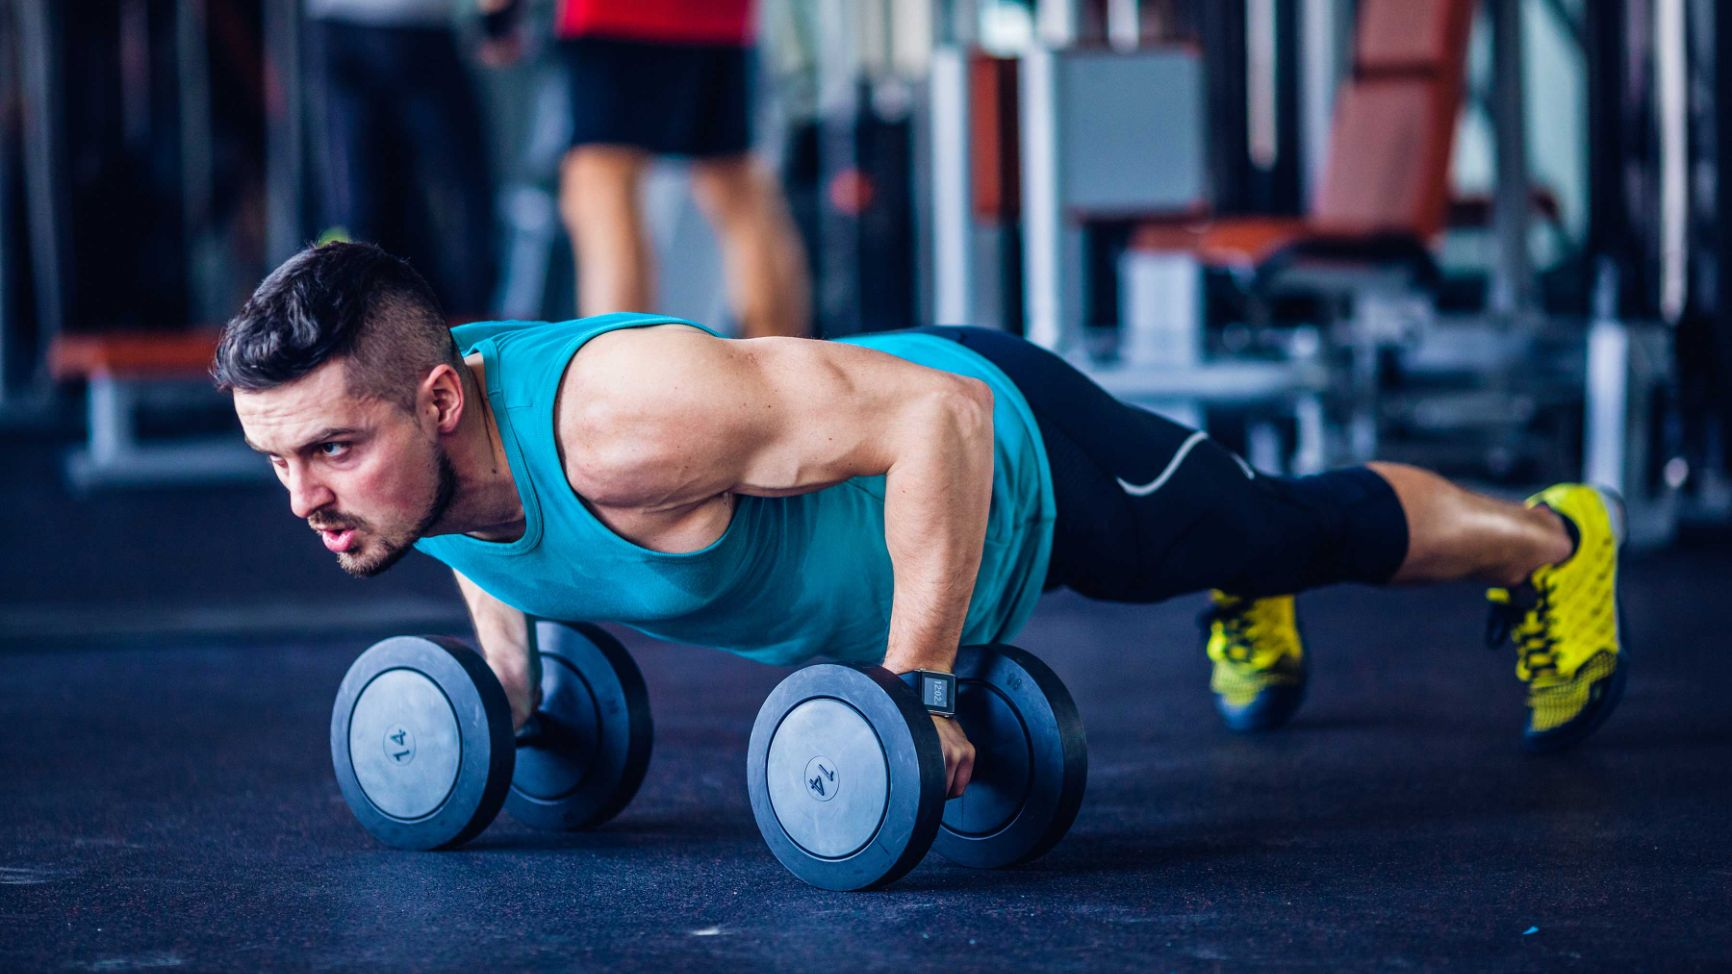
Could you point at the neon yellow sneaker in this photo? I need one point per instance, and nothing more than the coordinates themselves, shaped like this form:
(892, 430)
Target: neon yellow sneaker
(1259, 673)
(1564, 622)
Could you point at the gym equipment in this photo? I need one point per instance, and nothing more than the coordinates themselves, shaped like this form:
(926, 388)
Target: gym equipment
(1030, 764)
(421, 742)
(583, 754)
(846, 774)
(424, 753)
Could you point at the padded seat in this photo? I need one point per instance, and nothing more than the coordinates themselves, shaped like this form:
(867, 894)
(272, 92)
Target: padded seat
(1383, 195)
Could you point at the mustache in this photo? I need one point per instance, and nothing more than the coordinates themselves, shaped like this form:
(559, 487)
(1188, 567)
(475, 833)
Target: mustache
(333, 522)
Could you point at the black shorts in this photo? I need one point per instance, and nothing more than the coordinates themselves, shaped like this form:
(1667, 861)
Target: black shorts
(1149, 509)
(668, 99)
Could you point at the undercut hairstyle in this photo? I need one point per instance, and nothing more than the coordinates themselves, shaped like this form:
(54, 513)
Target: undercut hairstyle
(349, 301)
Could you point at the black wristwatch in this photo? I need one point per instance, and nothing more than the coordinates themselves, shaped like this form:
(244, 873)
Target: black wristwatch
(937, 690)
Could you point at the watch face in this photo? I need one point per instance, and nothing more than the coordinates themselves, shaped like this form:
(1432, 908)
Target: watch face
(938, 692)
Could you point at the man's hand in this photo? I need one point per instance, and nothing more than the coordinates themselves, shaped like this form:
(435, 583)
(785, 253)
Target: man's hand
(958, 756)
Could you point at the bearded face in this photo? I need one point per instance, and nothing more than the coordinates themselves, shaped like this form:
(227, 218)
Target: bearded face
(363, 472)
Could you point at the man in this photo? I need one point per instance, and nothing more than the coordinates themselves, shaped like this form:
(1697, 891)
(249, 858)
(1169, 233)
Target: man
(879, 500)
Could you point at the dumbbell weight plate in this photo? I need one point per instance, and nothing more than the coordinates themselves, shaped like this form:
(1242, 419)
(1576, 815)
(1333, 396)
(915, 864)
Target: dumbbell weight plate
(1031, 760)
(592, 756)
(421, 742)
(845, 776)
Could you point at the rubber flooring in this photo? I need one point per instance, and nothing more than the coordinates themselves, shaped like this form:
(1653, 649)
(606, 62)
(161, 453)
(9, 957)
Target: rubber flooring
(168, 804)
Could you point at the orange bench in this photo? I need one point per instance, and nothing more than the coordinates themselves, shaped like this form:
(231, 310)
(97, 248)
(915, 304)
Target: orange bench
(1384, 192)
(124, 371)
(133, 354)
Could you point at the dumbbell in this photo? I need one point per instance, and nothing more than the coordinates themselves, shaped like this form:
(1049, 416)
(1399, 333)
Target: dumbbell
(424, 753)
(846, 774)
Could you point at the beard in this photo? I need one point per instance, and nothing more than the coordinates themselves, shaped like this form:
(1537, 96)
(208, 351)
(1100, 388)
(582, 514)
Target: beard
(382, 551)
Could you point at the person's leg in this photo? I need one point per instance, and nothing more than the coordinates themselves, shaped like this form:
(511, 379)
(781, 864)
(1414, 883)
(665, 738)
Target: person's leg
(769, 291)
(599, 198)
(764, 261)
(1149, 508)
(1455, 533)
(625, 102)
(347, 163)
(444, 135)
(1194, 516)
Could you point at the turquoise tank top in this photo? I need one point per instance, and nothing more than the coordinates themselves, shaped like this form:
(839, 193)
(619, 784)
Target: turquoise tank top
(790, 578)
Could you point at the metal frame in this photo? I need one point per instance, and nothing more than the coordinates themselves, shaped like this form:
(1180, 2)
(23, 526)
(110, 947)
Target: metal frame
(952, 220)
(1043, 241)
(1512, 291)
(113, 454)
(44, 182)
(1320, 68)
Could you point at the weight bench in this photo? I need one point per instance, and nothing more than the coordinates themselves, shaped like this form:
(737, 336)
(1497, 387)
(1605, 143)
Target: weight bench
(125, 372)
(1365, 248)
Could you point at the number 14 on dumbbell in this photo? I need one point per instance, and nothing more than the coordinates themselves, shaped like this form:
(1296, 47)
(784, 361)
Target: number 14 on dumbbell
(422, 744)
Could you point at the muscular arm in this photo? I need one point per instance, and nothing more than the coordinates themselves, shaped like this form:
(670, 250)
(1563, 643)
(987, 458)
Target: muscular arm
(668, 419)
(508, 642)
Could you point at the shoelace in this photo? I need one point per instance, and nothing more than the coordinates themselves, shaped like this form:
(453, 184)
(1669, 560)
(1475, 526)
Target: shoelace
(1236, 625)
(1523, 615)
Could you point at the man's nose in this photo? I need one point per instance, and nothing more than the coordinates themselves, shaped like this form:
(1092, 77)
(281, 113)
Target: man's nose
(306, 494)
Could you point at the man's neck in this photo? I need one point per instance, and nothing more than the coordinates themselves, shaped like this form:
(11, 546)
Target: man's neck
(486, 504)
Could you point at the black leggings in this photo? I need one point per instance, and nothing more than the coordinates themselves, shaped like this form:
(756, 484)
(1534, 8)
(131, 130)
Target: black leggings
(1149, 509)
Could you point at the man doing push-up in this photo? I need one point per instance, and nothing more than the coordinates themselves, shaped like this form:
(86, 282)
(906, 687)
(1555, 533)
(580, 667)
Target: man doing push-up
(880, 499)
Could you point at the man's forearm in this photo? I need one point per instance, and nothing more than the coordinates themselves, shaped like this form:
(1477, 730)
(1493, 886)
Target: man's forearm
(507, 642)
(936, 501)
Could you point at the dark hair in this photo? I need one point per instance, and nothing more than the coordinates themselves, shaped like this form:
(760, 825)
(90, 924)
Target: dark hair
(348, 301)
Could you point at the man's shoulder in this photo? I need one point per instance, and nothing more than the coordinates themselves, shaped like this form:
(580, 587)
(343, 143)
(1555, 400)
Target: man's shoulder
(631, 361)
(630, 398)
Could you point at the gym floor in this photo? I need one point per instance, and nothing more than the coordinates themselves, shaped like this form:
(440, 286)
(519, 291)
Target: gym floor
(169, 800)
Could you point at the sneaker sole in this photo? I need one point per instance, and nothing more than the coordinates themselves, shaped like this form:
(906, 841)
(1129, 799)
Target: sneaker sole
(1570, 734)
(1272, 709)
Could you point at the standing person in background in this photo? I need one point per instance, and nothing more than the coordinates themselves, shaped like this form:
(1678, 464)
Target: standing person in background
(397, 101)
(668, 78)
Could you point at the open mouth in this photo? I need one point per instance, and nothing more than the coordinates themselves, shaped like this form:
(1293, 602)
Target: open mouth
(338, 540)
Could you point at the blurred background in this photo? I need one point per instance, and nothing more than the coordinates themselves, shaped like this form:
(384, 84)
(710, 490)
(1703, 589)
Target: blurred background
(1479, 236)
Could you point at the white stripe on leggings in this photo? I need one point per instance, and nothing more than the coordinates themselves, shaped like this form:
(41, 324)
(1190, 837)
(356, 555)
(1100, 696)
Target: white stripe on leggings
(1144, 490)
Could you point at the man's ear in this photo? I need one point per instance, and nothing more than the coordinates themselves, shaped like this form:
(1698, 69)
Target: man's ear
(442, 393)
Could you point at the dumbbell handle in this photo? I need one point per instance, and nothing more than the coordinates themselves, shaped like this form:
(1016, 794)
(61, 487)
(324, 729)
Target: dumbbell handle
(541, 730)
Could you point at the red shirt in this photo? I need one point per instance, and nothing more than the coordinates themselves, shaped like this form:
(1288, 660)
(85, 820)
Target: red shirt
(670, 21)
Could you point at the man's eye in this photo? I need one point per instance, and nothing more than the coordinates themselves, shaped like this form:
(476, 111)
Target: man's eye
(333, 449)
